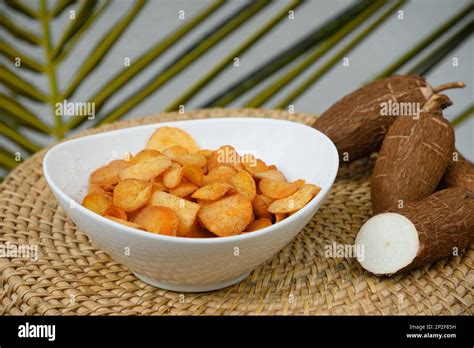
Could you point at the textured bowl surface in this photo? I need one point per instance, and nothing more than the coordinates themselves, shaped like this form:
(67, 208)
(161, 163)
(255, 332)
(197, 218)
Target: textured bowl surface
(187, 264)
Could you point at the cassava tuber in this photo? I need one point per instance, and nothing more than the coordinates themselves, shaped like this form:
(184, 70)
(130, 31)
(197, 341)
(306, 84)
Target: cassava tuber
(414, 156)
(420, 232)
(460, 173)
(356, 124)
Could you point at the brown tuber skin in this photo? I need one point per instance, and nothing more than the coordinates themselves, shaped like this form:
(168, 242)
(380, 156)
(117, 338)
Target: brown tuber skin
(444, 221)
(355, 123)
(413, 158)
(460, 173)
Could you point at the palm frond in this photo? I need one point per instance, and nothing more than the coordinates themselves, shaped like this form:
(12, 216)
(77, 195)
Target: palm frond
(22, 114)
(217, 69)
(123, 77)
(62, 51)
(326, 67)
(61, 5)
(81, 17)
(425, 42)
(20, 86)
(429, 62)
(18, 138)
(102, 48)
(7, 159)
(26, 62)
(19, 32)
(211, 39)
(325, 47)
(19, 7)
(288, 55)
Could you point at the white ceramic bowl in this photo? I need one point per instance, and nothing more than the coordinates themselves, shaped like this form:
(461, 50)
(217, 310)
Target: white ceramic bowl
(187, 264)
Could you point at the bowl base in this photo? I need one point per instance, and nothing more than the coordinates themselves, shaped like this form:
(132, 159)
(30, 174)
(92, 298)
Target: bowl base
(190, 288)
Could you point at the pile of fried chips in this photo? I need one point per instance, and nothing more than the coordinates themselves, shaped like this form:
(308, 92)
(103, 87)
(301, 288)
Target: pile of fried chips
(173, 187)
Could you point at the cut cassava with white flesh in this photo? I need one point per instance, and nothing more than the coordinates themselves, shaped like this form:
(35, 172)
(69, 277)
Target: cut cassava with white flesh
(413, 158)
(356, 123)
(460, 173)
(402, 239)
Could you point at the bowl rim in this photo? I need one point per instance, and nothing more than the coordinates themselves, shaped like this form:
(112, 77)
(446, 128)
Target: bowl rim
(188, 240)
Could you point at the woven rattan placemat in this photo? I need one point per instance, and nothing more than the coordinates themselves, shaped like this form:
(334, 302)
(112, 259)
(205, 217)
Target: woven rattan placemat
(74, 277)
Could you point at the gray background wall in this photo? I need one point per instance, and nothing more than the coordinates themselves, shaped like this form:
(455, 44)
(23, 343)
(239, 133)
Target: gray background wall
(160, 17)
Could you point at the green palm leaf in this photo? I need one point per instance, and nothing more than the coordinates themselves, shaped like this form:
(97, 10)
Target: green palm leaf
(214, 72)
(211, 39)
(119, 80)
(326, 67)
(20, 98)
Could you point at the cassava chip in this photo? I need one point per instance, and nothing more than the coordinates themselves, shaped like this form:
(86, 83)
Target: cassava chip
(294, 202)
(172, 176)
(260, 208)
(211, 192)
(101, 190)
(97, 203)
(132, 194)
(253, 165)
(146, 169)
(193, 174)
(116, 212)
(221, 174)
(184, 209)
(228, 216)
(144, 155)
(158, 219)
(165, 137)
(272, 175)
(108, 174)
(279, 217)
(279, 189)
(184, 189)
(124, 222)
(206, 153)
(258, 224)
(244, 184)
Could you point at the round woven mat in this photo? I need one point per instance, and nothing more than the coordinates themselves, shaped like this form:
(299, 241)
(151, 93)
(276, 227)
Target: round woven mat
(74, 277)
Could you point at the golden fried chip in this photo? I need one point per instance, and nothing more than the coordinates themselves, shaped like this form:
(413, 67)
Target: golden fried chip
(108, 175)
(258, 224)
(158, 219)
(101, 190)
(294, 202)
(147, 169)
(260, 208)
(165, 137)
(279, 217)
(221, 174)
(193, 174)
(124, 222)
(253, 165)
(131, 194)
(184, 209)
(244, 184)
(211, 192)
(116, 212)
(96, 202)
(279, 189)
(144, 155)
(272, 175)
(172, 176)
(226, 217)
(184, 189)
